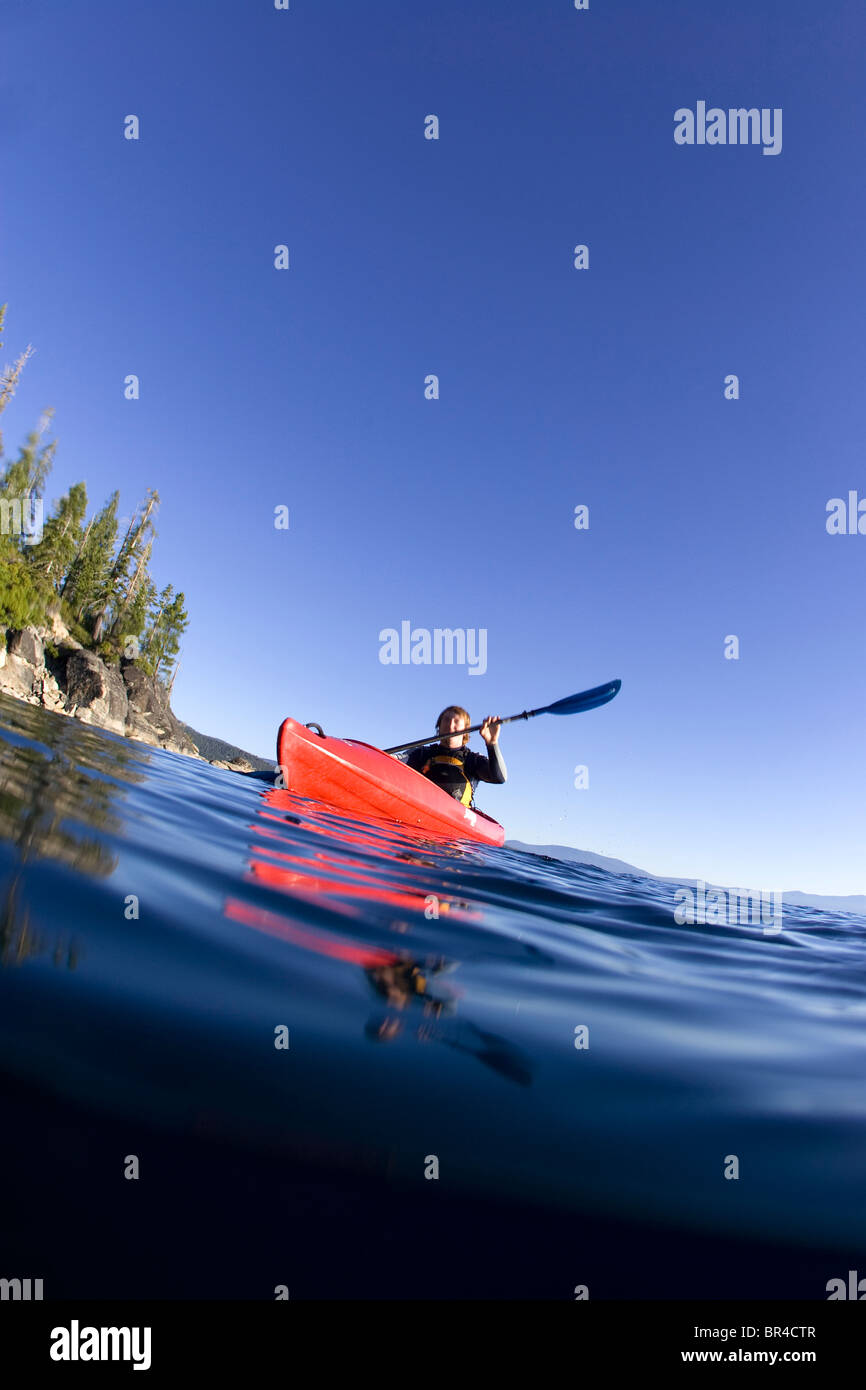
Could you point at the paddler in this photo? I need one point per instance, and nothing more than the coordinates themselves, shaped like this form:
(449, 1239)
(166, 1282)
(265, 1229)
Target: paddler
(453, 766)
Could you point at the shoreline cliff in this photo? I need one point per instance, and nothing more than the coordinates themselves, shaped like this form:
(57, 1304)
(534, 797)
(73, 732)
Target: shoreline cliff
(46, 666)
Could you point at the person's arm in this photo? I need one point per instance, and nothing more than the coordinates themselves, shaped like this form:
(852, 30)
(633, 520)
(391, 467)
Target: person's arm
(489, 769)
(492, 768)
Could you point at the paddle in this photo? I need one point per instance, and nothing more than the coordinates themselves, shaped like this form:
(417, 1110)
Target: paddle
(572, 704)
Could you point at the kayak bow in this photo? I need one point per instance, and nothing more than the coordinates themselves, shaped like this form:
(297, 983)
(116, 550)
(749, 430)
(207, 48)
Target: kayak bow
(360, 780)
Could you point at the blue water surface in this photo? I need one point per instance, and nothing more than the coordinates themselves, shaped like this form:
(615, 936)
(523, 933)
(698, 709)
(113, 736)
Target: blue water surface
(502, 1075)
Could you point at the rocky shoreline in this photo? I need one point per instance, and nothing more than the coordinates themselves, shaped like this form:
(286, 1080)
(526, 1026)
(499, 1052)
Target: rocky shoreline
(49, 668)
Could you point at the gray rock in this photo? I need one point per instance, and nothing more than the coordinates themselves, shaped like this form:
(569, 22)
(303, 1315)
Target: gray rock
(149, 708)
(95, 693)
(145, 731)
(27, 646)
(73, 681)
(145, 694)
(17, 677)
(48, 692)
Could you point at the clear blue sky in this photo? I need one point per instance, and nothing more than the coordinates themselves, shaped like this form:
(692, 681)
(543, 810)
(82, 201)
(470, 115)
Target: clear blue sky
(409, 256)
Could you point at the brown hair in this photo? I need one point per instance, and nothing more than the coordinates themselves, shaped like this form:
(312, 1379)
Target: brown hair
(449, 714)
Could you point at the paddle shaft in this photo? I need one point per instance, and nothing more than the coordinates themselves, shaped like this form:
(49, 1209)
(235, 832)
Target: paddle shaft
(572, 704)
(473, 729)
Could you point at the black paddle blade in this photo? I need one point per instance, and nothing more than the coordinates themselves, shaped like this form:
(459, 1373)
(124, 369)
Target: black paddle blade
(588, 699)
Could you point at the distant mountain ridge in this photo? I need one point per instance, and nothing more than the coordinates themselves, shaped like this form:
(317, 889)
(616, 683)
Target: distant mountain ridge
(217, 750)
(855, 902)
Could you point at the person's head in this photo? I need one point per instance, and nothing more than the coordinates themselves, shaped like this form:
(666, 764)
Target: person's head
(451, 723)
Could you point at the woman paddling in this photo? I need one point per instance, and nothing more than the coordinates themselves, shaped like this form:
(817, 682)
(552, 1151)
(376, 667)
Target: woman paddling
(453, 766)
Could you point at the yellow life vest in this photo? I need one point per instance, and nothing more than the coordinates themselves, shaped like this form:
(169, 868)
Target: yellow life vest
(455, 784)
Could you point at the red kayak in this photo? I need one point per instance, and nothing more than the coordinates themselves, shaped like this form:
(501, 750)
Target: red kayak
(363, 781)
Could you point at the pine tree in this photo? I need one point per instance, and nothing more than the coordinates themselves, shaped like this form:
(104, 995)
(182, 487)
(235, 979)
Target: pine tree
(153, 635)
(65, 587)
(175, 621)
(131, 606)
(136, 616)
(52, 557)
(130, 566)
(9, 376)
(112, 592)
(162, 639)
(22, 602)
(23, 595)
(21, 483)
(26, 476)
(87, 587)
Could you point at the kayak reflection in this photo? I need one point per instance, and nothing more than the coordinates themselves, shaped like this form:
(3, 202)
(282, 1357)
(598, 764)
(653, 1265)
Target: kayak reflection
(377, 890)
(330, 872)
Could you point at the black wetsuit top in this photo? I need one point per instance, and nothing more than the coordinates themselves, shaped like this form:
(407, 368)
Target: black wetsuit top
(476, 766)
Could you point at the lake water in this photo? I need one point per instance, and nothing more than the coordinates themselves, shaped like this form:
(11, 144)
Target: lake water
(580, 1070)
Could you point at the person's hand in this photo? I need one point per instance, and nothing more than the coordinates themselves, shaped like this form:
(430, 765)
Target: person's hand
(490, 729)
